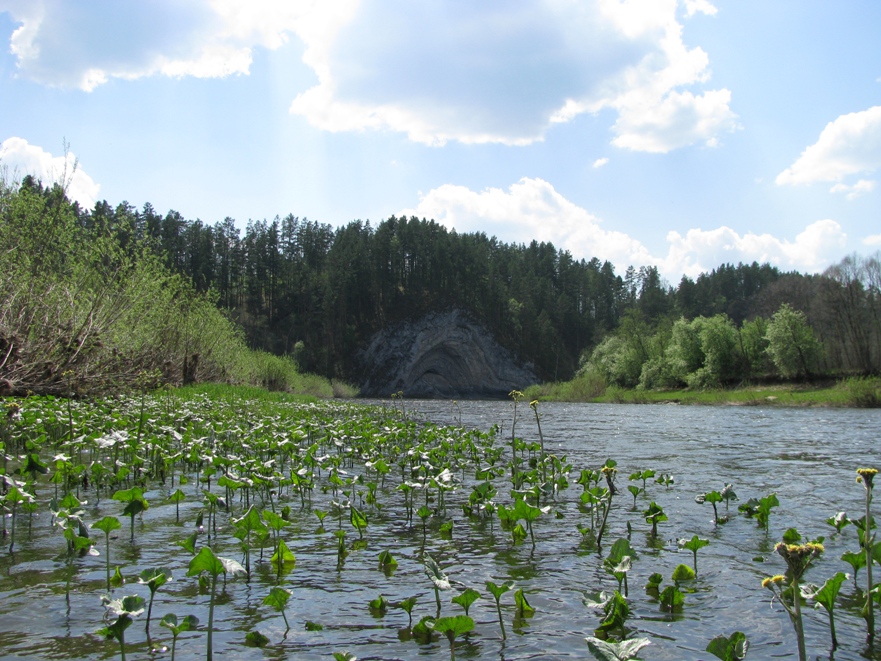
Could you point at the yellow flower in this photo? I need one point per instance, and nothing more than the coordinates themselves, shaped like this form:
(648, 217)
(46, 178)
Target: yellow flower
(867, 474)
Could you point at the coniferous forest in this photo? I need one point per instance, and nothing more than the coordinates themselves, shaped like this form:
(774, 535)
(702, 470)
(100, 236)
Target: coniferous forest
(316, 294)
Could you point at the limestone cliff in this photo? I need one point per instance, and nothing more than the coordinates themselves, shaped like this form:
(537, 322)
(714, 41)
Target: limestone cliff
(442, 355)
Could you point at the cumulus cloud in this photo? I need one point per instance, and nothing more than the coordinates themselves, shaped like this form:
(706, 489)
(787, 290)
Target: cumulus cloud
(873, 240)
(20, 158)
(85, 44)
(507, 72)
(438, 71)
(600, 162)
(849, 145)
(533, 209)
(851, 192)
(693, 7)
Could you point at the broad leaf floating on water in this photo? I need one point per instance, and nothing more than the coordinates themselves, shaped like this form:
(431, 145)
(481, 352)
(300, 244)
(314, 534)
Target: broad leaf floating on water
(605, 651)
(733, 648)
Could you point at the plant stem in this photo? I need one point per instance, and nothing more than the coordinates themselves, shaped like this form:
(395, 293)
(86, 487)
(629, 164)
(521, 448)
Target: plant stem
(869, 539)
(211, 617)
(797, 621)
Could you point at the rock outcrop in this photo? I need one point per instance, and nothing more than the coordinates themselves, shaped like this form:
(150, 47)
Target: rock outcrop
(442, 355)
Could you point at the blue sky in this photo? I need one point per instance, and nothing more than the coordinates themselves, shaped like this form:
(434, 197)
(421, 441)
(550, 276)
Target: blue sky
(680, 134)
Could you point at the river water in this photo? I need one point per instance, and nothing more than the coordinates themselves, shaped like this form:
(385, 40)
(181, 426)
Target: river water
(808, 457)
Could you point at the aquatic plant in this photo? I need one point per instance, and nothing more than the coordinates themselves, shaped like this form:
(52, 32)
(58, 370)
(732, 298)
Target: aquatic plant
(615, 611)
(378, 606)
(13, 498)
(625, 650)
(154, 579)
(524, 609)
(694, 544)
(799, 558)
(121, 611)
(825, 596)
(438, 578)
(466, 598)
(619, 562)
(497, 591)
(671, 598)
(838, 521)
(867, 477)
(170, 622)
(277, 599)
(453, 627)
(407, 606)
(654, 515)
(729, 648)
(711, 497)
(760, 509)
(214, 566)
(135, 504)
(534, 406)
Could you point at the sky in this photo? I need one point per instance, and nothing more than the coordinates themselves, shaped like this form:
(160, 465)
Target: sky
(680, 134)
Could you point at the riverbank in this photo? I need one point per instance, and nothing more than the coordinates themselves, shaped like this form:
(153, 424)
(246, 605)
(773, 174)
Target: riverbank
(855, 392)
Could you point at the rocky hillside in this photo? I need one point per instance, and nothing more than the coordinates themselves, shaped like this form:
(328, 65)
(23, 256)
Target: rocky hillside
(442, 355)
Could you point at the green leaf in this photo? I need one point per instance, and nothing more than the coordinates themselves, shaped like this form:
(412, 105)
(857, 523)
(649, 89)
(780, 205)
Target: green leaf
(693, 544)
(378, 605)
(792, 536)
(619, 550)
(729, 649)
(605, 651)
(189, 543)
(277, 598)
(497, 590)
(314, 626)
(454, 626)
(523, 607)
(155, 577)
(466, 598)
(256, 639)
(827, 594)
(205, 560)
(616, 612)
(386, 559)
(357, 518)
(117, 580)
(683, 573)
(189, 623)
(107, 525)
(283, 557)
(672, 598)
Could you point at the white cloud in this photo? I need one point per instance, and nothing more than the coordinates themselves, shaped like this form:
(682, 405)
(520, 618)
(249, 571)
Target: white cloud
(85, 44)
(848, 146)
(698, 251)
(21, 158)
(852, 192)
(600, 162)
(533, 209)
(483, 73)
(693, 7)
(873, 240)
(437, 71)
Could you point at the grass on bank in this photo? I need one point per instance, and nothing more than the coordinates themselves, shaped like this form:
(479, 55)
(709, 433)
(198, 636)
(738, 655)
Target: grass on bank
(853, 392)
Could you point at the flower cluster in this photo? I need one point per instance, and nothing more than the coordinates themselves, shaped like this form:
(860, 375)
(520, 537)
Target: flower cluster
(866, 475)
(799, 557)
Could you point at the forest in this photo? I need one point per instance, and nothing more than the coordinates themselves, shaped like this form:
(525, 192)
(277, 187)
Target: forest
(314, 294)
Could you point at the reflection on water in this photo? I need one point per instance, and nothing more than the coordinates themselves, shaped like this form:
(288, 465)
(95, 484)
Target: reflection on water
(808, 457)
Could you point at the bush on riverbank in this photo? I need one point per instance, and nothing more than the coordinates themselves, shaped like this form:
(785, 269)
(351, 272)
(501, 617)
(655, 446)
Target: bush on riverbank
(91, 309)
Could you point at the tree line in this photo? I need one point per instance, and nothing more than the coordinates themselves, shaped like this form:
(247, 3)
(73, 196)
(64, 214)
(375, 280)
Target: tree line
(317, 293)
